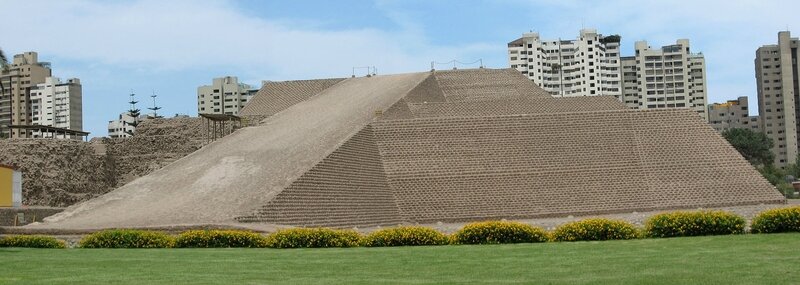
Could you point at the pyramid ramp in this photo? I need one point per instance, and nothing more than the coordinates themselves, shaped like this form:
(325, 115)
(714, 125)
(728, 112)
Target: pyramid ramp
(238, 174)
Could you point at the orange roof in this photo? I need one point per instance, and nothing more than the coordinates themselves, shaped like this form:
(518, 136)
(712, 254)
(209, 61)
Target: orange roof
(7, 166)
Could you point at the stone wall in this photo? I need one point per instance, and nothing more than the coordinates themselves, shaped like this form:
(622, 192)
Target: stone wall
(60, 173)
(8, 216)
(157, 142)
(57, 172)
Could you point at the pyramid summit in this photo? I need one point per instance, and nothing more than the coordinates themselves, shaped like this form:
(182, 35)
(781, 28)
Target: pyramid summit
(456, 145)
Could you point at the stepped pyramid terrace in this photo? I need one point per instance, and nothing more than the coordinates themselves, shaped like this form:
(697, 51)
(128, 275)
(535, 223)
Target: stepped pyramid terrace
(440, 146)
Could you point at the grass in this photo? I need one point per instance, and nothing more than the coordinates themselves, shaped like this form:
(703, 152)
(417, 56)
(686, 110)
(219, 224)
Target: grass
(740, 259)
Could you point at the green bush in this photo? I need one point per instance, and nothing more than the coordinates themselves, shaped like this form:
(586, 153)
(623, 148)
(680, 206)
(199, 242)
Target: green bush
(777, 221)
(694, 223)
(313, 237)
(595, 229)
(405, 236)
(220, 238)
(126, 239)
(496, 232)
(34, 241)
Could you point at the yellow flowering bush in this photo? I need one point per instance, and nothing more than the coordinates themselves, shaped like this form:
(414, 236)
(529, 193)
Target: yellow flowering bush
(34, 241)
(496, 232)
(405, 236)
(220, 238)
(777, 221)
(126, 239)
(595, 229)
(313, 237)
(694, 223)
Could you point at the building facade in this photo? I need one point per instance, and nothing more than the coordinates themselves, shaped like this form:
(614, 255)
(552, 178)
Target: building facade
(224, 96)
(586, 66)
(122, 127)
(776, 81)
(24, 73)
(734, 114)
(667, 77)
(57, 104)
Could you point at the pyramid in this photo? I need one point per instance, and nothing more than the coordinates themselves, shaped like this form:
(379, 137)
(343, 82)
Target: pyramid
(446, 146)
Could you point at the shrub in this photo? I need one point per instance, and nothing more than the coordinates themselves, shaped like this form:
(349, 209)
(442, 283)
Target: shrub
(126, 239)
(34, 241)
(495, 232)
(777, 221)
(405, 236)
(313, 237)
(595, 229)
(694, 223)
(220, 238)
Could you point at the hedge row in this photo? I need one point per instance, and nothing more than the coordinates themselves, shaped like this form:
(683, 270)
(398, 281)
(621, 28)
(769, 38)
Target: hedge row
(673, 224)
(33, 241)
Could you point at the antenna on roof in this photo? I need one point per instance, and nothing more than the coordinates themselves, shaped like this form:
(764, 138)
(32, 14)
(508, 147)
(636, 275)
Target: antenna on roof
(456, 62)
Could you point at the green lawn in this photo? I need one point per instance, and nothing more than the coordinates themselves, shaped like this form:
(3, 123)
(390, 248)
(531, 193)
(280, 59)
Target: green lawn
(743, 259)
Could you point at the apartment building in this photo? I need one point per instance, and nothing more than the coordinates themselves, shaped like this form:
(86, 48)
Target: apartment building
(667, 77)
(224, 96)
(57, 104)
(777, 86)
(122, 127)
(586, 66)
(734, 114)
(24, 73)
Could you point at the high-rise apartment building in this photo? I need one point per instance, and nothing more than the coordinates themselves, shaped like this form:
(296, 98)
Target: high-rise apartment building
(777, 83)
(224, 96)
(586, 66)
(24, 73)
(57, 104)
(668, 77)
(734, 114)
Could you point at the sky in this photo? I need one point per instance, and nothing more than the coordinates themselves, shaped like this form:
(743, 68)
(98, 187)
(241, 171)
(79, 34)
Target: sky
(171, 47)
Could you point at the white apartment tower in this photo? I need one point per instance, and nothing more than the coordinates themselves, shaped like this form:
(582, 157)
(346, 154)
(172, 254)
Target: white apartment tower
(668, 77)
(777, 83)
(587, 66)
(224, 96)
(57, 104)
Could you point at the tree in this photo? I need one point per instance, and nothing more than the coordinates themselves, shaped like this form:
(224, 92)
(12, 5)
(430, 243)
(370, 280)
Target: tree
(3, 68)
(754, 146)
(3, 60)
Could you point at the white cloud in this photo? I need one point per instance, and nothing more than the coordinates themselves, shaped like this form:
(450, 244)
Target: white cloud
(176, 35)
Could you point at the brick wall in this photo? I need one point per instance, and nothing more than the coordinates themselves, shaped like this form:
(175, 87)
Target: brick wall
(449, 169)
(277, 96)
(347, 188)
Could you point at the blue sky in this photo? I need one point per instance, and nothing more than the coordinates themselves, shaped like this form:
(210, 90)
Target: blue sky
(171, 47)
